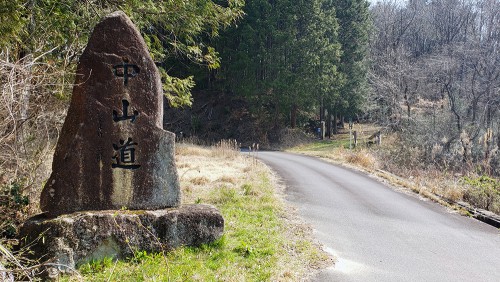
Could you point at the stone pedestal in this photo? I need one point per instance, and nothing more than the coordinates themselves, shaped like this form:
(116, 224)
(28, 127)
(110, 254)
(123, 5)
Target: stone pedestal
(70, 240)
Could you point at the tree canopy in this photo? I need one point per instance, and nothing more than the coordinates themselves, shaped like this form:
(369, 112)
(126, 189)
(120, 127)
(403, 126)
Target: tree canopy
(285, 55)
(59, 29)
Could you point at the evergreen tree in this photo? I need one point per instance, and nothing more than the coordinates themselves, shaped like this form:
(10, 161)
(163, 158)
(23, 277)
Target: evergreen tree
(57, 30)
(354, 20)
(328, 78)
(282, 56)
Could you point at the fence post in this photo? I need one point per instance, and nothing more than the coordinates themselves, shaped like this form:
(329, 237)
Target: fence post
(322, 130)
(350, 134)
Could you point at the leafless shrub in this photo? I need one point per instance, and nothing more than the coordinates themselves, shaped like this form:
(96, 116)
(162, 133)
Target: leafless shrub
(31, 114)
(435, 82)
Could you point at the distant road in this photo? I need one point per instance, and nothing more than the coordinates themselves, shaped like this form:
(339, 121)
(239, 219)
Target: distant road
(379, 234)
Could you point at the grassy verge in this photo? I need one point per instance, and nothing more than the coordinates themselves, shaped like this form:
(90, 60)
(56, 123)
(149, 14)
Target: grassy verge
(337, 151)
(263, 241)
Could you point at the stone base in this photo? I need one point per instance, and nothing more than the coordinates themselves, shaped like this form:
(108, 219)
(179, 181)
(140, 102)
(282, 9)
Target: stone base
(70, 240)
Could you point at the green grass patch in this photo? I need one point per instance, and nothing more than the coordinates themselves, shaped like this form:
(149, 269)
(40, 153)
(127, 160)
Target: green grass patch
(323, 145)
(483, 192)
(255, 246)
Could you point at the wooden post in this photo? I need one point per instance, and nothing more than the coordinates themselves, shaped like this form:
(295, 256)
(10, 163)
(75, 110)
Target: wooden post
(322, 130)
(350, 134)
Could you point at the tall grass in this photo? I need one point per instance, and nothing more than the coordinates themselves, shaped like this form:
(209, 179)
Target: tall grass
(226, 149)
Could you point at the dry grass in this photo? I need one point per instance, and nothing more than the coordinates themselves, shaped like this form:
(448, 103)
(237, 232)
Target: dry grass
(200, 180)
(224, 169)
(202, 169)
(226, 149)
(186, 149)
(362, 158)
(292, 137)
(227, 179)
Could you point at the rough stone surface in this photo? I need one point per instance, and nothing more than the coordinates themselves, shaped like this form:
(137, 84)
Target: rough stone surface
(112, 151)
(74, 239)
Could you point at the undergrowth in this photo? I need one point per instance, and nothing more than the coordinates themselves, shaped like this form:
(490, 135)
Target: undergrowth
(13, 208)
(483, 192)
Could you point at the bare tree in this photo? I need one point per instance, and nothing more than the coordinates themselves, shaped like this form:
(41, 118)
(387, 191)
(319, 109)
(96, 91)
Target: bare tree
(438, 61)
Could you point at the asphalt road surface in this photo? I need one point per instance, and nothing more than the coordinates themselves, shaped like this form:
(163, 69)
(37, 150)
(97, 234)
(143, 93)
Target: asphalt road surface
(380, 234)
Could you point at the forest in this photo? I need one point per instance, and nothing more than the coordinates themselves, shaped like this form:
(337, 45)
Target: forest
(435, 78)
(426, 71)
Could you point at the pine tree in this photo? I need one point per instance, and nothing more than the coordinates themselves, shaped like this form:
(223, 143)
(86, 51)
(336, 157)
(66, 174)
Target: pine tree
(57, 30)
(283, 56)
(354, 20)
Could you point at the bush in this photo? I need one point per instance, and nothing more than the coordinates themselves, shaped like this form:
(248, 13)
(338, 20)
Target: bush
(13, 206)
(483, 192)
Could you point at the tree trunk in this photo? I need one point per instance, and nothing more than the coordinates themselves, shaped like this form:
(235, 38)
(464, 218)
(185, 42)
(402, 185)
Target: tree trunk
(293, 116)
(453, 107)
(276, 115)
(335, 123)
(329, 130)
(321, 110)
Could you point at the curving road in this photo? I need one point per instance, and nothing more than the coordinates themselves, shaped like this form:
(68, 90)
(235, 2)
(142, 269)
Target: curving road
(380, 234)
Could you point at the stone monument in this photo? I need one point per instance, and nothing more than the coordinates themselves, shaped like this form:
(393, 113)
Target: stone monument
(114, 186)
(113, 152)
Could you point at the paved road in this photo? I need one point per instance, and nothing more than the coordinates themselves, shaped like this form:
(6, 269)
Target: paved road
(380, 234)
